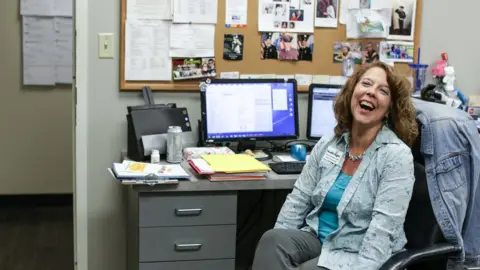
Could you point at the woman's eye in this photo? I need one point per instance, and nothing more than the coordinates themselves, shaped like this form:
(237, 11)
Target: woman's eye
(384, 91)
(365, 83)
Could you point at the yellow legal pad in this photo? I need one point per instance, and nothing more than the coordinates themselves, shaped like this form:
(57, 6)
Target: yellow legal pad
(238, 163)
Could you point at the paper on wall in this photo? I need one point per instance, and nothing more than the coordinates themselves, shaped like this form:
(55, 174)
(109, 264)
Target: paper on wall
(303, 79)
(192, 40)
(38, 37)
(230, 75)
(195, 11)
(343, 9)
(338, 80)
(149, 9)
(257, 76)
(236, 13)
(321, 79)
(286, 16)
(353, 27)
(326, 15)
(64, 50)
(63, 8)
(346, 5)
(284, 77)
(372, 4)
(146, 50)
(37, 7)
(407, 23)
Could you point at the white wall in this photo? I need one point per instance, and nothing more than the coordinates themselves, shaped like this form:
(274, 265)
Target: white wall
(104, 110)
(452, 27)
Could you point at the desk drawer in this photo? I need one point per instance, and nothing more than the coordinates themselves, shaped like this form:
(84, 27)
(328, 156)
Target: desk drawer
(191, 265)
(187, 243)
(182, 209)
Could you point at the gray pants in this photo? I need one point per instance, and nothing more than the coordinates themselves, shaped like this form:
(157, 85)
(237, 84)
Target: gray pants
(281, 249)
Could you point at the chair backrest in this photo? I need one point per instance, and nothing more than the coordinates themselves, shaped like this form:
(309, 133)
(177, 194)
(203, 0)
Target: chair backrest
(421, 227)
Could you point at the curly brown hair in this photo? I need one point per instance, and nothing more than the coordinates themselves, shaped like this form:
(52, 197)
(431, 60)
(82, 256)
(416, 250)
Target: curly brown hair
(401, 118)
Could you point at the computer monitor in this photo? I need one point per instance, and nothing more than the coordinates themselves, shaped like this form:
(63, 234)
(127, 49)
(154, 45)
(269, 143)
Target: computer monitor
(249, 110)
(321, 118)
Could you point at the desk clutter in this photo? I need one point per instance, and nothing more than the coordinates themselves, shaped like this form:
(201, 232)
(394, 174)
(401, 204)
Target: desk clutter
(229, 167)
(243, 113)
(170, 46)
(132, 172)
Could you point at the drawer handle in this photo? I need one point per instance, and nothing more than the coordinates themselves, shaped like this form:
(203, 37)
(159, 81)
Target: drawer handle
(188, 212)
(187, 247)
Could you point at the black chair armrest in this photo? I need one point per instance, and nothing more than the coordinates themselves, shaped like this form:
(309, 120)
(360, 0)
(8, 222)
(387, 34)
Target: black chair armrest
(403, 259)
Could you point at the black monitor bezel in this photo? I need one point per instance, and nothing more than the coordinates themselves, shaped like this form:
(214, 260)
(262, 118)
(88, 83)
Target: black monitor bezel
(310, 105)
(219, 81)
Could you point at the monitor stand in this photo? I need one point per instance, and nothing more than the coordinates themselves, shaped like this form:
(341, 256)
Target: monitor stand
(246, 144)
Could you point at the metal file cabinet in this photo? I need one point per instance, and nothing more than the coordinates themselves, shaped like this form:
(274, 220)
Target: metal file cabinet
(181, 230)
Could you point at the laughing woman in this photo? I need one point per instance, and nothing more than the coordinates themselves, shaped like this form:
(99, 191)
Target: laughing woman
(348, 206)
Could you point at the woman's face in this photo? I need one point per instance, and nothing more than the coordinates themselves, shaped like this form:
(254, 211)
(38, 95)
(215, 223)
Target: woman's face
(344, 50)
(371, 99)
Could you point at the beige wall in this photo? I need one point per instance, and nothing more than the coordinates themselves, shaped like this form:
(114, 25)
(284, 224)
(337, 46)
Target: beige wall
(36, 122)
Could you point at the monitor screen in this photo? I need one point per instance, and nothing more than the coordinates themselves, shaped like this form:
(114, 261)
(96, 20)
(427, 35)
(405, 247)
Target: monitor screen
(321, 118)
(246, 109)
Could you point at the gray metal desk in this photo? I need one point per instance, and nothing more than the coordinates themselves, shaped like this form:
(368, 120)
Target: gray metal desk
(190, 225)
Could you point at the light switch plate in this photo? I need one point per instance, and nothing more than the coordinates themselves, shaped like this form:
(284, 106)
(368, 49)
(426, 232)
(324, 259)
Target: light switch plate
(105, 45)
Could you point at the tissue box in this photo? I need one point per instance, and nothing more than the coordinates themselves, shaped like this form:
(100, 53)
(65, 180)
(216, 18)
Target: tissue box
(195, 152)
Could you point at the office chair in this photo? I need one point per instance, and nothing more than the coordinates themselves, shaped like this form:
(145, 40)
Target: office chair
(426, 248)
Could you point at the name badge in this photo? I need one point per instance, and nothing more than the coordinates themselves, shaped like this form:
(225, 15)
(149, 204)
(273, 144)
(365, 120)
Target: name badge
(333, 155)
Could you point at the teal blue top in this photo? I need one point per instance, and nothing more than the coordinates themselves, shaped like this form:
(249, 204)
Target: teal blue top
(327, 219)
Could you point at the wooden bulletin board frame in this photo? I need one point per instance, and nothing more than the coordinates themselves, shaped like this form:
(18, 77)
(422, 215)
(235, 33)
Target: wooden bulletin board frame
(322, 63)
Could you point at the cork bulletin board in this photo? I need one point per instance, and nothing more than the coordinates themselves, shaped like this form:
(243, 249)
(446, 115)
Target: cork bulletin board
(322, 64)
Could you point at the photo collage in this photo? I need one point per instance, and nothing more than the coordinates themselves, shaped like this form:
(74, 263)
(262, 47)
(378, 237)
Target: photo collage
(193, 68)
(361, 53)
(286, 30)
(397, 51)
(286, 46)
(286, 16)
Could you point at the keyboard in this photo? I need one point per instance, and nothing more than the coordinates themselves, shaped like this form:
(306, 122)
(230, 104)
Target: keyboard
(288, 167)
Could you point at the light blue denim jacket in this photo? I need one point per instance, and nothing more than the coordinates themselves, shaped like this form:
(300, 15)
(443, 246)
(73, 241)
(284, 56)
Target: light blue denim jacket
(372, 210)
(451, 147)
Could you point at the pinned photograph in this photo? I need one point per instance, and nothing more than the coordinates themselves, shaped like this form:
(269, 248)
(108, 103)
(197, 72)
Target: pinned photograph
(365, 4)
(369, 21)
(397, 51)
(403, 20)
(296, 15)
(280, 10)
(267, 9)
(326, 13)
(370, 52)
(305, 47)
(347, 50)
(233, 47)
(287, 46)
(268, 48)
(193, 68)
(348, 67)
